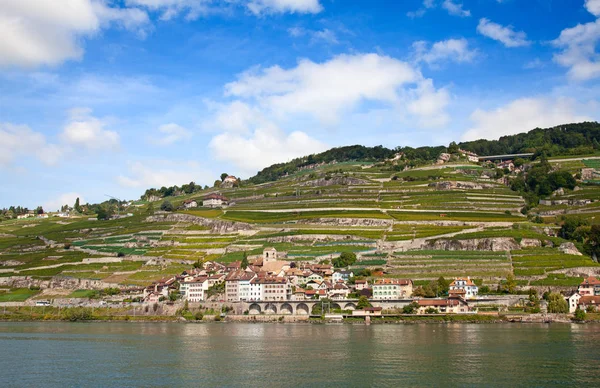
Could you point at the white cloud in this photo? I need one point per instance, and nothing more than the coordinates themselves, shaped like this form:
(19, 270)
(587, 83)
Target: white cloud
(523, 115)
(578, 45)
(593, 7)
(428, 105)
(258, 7)
(455, 9)
(324, 35)
(265, 146)
(326, 90)
(20, 141)
(192, 9)
(158, 173)
(456, 50)
(172, 133)
(86, 131)
(506, 35)
(534, 64)
(64, 199)
(41, 33)
(427, 4)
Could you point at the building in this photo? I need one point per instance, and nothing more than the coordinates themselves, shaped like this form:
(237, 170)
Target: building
(445, 306)
(190, 203)
(573, 302)
(214, 200)
(589, 302)
(367, 311)
(237, 285)
(229, 181)
(272, 288)
(471, 289)
(342, 275)
(391, 289)
(193, 289)
(361, 284)
(589, 287)
(269, 254)
(339, 291)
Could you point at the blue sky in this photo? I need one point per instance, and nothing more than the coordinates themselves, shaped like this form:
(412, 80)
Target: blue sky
(101, 97)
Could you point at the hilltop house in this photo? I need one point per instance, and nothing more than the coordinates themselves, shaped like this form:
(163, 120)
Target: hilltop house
(214, 200)
(391, 289)
(190, 203)
(467, 285)
(229, 181)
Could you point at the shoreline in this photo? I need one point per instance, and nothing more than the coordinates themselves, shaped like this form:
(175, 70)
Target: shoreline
(287, 319)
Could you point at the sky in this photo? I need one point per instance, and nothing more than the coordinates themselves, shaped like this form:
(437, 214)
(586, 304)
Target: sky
(106, 98)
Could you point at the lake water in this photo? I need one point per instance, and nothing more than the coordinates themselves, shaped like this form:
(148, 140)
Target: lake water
(283, 355)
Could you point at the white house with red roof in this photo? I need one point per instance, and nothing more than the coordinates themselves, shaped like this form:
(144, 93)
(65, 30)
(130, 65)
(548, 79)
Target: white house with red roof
(466, 284)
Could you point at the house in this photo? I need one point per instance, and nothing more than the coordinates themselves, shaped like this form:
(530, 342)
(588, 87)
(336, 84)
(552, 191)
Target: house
(160, 289)
(466, 284)
(21, 216)
(299, 294)
(573, 302)
(270, 288)
(589, 286)
(386, 289)
(214, 200)
(367, 311)
(361, 284)
(339, 291)
(190, 203)
(237, 285)
(446, 306)
(591, 302)
(193, 289)
(43, 215)
(342, 275)
(215, 279)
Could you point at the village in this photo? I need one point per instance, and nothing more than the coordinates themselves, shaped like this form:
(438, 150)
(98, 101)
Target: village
(268, 284)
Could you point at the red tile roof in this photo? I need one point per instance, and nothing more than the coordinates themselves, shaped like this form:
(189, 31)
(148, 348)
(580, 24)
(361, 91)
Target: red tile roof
(401, 282)
(590, 281)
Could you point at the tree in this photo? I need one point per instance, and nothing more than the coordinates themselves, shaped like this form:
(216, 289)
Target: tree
(39, 210)
(217, 183)
(411, 308)
(362, 303)
(557, 304)
(580, 315)
(443, 286)
(244, 263)
(345, 259)
(77, 207)
(166, 206)
(150, 209)
(104, 213)
(223, 176)
(592, 244)
(510, 285)
(453, 148)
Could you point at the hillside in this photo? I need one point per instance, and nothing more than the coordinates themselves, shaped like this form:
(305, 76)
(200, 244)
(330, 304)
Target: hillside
(451, 219)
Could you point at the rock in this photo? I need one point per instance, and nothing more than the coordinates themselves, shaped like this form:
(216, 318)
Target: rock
(217, 226)
(530, 243)
(548, 243)
(569, 248)
(496, 244)
(576, 188)
(558, 192)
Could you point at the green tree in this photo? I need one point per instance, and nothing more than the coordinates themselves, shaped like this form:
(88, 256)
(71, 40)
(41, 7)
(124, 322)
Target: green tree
(557, 304)
(77, 207)
(150, 209)
(443, 286)
(363, 303)
(580, 315)
(223, 176)
(167, 206)
(344, 260)
(453, 148)
(244, 264)
(592, 244)
(411, 308)
(103, 213)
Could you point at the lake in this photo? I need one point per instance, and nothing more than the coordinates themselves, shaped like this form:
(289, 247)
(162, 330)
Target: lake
(57, 354)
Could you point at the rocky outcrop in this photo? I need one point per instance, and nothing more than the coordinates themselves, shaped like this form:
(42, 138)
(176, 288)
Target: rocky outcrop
(569, 248)
(451, 185)
(530, 243)
(496, 244)
(216, 226)
(335, 181)
(57, 282)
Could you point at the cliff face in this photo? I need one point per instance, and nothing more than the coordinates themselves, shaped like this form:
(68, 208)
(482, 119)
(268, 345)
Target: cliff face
(496, 244)
(217, 226)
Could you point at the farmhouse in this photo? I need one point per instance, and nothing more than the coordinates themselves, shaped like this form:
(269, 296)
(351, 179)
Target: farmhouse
(190, 203)
(214, 200)
(589, 287)
(467, 285)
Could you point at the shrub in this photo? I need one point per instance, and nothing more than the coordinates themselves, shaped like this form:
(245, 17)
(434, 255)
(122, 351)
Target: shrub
(199, 316)
(580, 315)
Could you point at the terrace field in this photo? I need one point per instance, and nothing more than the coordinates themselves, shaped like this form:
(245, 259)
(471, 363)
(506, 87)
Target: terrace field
(385, 216)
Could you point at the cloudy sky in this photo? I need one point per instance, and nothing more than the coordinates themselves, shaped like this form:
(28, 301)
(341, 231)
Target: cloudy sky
(110, 97)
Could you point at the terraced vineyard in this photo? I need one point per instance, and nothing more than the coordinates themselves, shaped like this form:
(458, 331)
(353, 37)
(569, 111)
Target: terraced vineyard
(423, 223)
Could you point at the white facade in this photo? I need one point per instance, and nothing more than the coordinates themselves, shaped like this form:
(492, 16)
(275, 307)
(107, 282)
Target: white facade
(573, 301)
(194, 290)
(471, 289)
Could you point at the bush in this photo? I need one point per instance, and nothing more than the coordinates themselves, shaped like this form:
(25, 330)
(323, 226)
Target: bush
(76, 314)
(217, 317)
(167, 206)
(199, 316)
(580, 315)
(411, 308)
